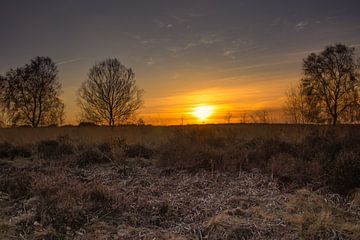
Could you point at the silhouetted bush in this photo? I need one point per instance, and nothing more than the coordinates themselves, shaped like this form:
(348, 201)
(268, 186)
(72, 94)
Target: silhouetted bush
(91, 156)
(55, 149)
(104, 148)
(344, 174)
(8, 150)
(87, 124)
(323, 157)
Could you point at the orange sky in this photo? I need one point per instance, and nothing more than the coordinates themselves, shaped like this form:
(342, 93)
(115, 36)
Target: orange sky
(237, 56)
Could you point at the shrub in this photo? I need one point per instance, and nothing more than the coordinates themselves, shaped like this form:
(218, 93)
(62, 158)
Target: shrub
(99, 197)
(189, 150)
(91, 156)
(55, 149)
(64, 201)
(137, 150)
(17, 184)
(8, 150)
(60, 201)
(52, 149)
(344, 174)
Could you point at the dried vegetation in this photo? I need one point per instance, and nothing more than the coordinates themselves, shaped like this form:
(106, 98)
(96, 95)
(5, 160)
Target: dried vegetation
(198, 184)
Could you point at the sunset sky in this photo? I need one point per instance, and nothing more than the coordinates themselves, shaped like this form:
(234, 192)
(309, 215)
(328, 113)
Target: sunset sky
(236, 56)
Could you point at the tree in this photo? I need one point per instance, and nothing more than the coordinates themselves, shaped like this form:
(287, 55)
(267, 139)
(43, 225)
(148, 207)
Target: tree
(299, 109)
(331, 81)
(228, 117)
(30, 94)
(260, 116)
(110, 94)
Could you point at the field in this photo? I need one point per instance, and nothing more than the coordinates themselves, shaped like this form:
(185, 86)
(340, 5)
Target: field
(234, 181)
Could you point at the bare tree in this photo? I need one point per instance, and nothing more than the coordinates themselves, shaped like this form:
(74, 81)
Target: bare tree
(182, 118)
(330, 80)
(30, 94)
(299, 109)
(243, 118)
(261, 116)
(228, 117)
(110, 94)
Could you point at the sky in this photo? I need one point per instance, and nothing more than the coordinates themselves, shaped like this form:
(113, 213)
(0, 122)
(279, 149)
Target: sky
(237, 56)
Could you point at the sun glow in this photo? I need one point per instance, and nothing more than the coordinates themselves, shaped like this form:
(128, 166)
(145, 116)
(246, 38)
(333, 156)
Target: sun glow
(203, 112)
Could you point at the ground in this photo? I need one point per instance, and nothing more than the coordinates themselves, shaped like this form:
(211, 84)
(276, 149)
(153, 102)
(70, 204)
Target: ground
(213, 182)
(146, 202)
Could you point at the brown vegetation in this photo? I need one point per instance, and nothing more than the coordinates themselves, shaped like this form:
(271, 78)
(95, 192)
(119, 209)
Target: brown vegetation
(196, 182)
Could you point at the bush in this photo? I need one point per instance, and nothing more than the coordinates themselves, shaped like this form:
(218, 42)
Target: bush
(137, 150)
(18, 184)
(60, 201)
(8, 150)
(344, 174)
(189, 150)
(55, 149)
(64, 202)
(91, 156)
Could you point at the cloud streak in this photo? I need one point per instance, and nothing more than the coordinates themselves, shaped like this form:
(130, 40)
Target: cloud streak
(68, 61)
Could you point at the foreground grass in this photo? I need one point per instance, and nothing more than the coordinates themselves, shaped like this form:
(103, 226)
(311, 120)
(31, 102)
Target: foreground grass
(197, 184)
(99, 202)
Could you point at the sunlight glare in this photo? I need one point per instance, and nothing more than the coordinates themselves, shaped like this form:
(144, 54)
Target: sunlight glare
(203, 112)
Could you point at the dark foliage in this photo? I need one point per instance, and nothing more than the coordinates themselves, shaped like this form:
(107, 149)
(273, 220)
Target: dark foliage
(17, 184)
(54, 149)
(137, 150)
(10, 151)
(91, 156)
(327, 157)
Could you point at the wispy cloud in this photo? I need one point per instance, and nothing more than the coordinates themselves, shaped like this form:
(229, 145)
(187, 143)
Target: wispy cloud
(68, 61)
(162, 24)
(150, 61)
(205, 40)
(177, 18)
(317, 50)
(230, 53)
(196, 15)
(301, 25)
(257, 66)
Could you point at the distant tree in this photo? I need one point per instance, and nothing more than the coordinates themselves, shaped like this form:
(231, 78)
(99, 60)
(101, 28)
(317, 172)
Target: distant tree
(87, 124)
(30, 95)
(228, 117)
(300, 109)
(140, 122)
(182, 119)
(243, 118)
(331, 82)
(110, 94)
(261, 116)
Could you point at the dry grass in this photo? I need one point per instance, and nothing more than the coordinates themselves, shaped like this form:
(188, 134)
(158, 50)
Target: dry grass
(198, 182)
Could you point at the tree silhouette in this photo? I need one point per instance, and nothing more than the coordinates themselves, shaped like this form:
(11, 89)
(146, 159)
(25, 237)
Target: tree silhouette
(110, 94)
(30, 94)
(331, 81)
(300, 109)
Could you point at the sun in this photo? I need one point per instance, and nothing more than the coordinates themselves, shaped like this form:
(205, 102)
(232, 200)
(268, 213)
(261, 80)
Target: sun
(202, 112)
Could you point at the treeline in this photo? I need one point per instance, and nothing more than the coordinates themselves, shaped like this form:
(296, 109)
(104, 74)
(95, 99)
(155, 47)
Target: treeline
(328, 93)
(29, 95)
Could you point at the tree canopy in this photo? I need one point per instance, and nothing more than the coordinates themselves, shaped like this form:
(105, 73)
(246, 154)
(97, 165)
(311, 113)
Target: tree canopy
(329, 89)
(30, 94)
(109, 95)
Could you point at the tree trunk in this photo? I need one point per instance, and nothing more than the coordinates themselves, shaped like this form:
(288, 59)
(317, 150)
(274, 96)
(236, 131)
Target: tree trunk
(334, 121)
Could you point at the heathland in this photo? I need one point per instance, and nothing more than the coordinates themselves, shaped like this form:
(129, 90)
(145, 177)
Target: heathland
(231, 181)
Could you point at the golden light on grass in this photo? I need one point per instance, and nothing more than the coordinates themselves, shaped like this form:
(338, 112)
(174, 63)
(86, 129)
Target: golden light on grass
(203, 112)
